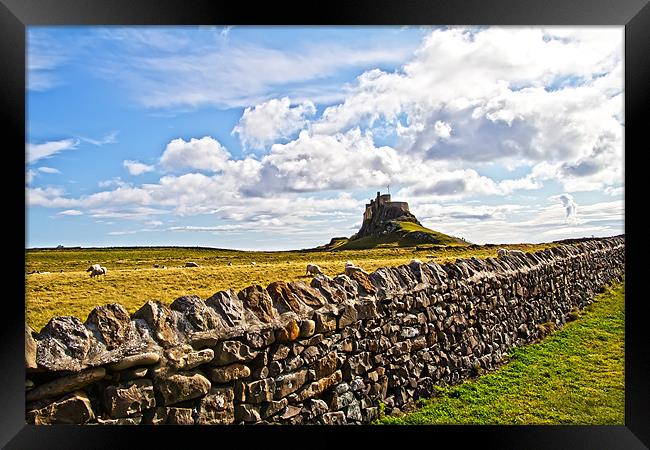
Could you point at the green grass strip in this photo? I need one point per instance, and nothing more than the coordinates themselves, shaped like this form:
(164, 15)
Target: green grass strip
(573, 376)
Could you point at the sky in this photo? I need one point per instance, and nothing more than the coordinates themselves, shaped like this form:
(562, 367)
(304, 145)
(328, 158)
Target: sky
(274, 138)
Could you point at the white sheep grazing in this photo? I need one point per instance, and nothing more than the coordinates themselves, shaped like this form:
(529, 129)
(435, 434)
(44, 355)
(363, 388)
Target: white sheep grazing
(96, 270)
(313, 269)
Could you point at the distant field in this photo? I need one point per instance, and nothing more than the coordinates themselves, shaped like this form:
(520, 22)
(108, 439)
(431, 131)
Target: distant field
(132, 279)
(574, 376)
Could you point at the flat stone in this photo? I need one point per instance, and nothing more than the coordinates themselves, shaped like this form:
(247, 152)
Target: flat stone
(284, 299)
(177, 388)
(180, 416)
(129, 398)
(229, 307)
(228, 352)
(197, 313)
(273, 407)
(316, 388)
(156, 416)
(308, 295)
(111, 324)
(194, 359)
(256, 300)
(279, 353)
(328, 289)
(333, 418)
(288, 333)
(160, 320)
(143, 359)
(307, 328)
(348, 316)
(63, 345)
(325, 322)
(316, 407)
(290, 412)
(258, 391)
(74, 408)
(66, 384)
(30, 348)
(326, 365)
(217, 407)
(226, 374)
(289, 383)
(134, 420)
(260, 338)
(247, 413)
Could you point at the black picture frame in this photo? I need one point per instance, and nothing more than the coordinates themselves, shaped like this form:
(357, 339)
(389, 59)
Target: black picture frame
(16, 15)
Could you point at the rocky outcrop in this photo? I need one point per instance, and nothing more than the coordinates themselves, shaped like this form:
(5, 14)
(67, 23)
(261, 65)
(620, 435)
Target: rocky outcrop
(294, 353)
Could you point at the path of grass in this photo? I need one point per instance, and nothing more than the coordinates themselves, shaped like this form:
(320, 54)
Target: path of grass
(574, 376)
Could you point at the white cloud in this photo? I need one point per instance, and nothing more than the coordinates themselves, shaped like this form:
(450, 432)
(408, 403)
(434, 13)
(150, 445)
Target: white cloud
(48, 170)
(110, 138)
(71, 212)
(36, 152)
(120, 233)
(205, 154)
(136, 167)
(570, 206)
(506, 95)
(267, 122)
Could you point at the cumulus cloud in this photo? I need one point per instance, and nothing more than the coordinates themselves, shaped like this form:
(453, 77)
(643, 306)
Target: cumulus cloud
(206, 154)
(36, 152)
(517, 96)
(267, 122)
(136, 167)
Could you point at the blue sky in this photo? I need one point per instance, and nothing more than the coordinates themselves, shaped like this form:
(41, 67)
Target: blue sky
(274, 137)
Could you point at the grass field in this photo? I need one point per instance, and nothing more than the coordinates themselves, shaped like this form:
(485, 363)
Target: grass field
(132, 279)
(574, 376)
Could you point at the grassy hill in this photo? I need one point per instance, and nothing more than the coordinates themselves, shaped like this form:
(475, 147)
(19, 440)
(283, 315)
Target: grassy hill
(407, 234)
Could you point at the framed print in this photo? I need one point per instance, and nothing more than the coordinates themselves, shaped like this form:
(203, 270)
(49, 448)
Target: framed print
(353, 219)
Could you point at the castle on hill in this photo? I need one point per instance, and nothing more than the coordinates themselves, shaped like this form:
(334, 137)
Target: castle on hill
(379, 212)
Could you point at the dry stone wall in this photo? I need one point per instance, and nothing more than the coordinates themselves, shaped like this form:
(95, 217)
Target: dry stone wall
(325, 353)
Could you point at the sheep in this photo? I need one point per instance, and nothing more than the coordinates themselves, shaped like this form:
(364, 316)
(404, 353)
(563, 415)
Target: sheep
(96, 270)
(313, 269)
(253, 263)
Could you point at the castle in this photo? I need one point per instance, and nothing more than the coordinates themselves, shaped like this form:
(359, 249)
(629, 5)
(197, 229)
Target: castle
(382, 201)
(380, 211)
